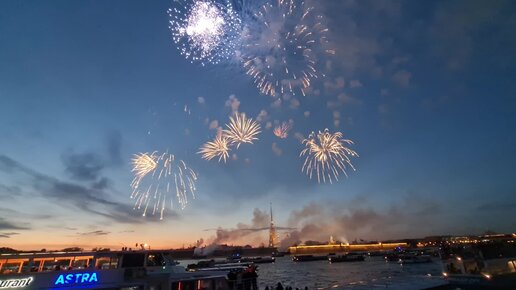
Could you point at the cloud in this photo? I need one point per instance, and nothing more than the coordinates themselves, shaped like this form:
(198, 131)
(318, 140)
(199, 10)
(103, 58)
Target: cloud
(312, 209)
(294, 103)
(306, 114)
(101, 184)
(259, 223)
(87, 166)
(299, 136)
(435, 102)
(276, 149)
(276, 104)
(114, 148)
(459, 32)
(6, 225)
(94, 233)
(345, 221)
(262, 116)
(316, 221)
(214, 124)
(355, 84)
(82, 166)
(383, 109)
(85, 198)
(497, 206)
(335, 85)
(400, 60)
(384, 92)
(201, 100)
(336, 119)
(233, 103)
(7, 164)
(9, 191)
(342, 100)
(8, 235)
(402, 78)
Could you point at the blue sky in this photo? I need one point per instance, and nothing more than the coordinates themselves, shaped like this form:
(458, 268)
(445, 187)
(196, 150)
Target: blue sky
(425, 90)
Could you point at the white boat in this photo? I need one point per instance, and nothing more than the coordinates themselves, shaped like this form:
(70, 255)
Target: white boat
(124, 270)
(487, 264)
(414, 258)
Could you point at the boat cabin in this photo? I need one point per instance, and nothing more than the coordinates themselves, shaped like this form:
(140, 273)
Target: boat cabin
(124, 270)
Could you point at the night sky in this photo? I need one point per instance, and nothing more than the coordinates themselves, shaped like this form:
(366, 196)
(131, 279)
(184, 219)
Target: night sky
(426, 90)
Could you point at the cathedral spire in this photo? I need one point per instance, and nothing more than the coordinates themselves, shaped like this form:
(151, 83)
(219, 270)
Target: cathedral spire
(272, 232)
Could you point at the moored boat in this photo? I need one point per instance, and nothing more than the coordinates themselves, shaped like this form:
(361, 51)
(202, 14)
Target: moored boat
(414, 258)
(346, 258)
(486, 265)
(258, 260)
(308, 258)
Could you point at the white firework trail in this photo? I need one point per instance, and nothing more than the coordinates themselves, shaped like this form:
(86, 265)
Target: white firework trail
(157, 178)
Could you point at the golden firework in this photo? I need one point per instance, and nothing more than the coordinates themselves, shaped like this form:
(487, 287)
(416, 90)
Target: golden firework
(219, 147)
(157, 177)
(143, 163)
(241, 130)
(326, 155)
(282, 130)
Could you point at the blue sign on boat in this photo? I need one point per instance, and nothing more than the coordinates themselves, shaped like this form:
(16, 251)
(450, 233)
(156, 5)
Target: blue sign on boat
(76, 278)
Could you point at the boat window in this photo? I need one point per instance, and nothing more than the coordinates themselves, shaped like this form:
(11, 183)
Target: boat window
(155, 259)
(131, 288)
(102, 263)
(188, 285)
(205, 285)
(133, 260)
(110, 262)
(512, 266)
(28, 266)
(48, 265)
(56, 264)
(80, 263)
(64, 264)
(113, 264)
(10, 267)
(221, 284)
(471, 267)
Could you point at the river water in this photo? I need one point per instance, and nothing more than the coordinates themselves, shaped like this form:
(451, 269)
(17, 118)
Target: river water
(373, 273)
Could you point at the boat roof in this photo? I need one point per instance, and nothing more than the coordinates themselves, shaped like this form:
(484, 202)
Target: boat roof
(77, 253)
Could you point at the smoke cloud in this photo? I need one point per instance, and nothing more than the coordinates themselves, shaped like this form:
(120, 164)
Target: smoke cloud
(345, 222)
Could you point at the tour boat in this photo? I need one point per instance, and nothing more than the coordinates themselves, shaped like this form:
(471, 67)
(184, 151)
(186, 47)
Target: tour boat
(124, 270)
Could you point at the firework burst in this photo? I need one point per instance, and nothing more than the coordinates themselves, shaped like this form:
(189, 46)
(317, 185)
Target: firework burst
(157, 177)
(216, 148)
(282, 130)
(204, 31)
(241, 130)
(281, 45)
(327, 155)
